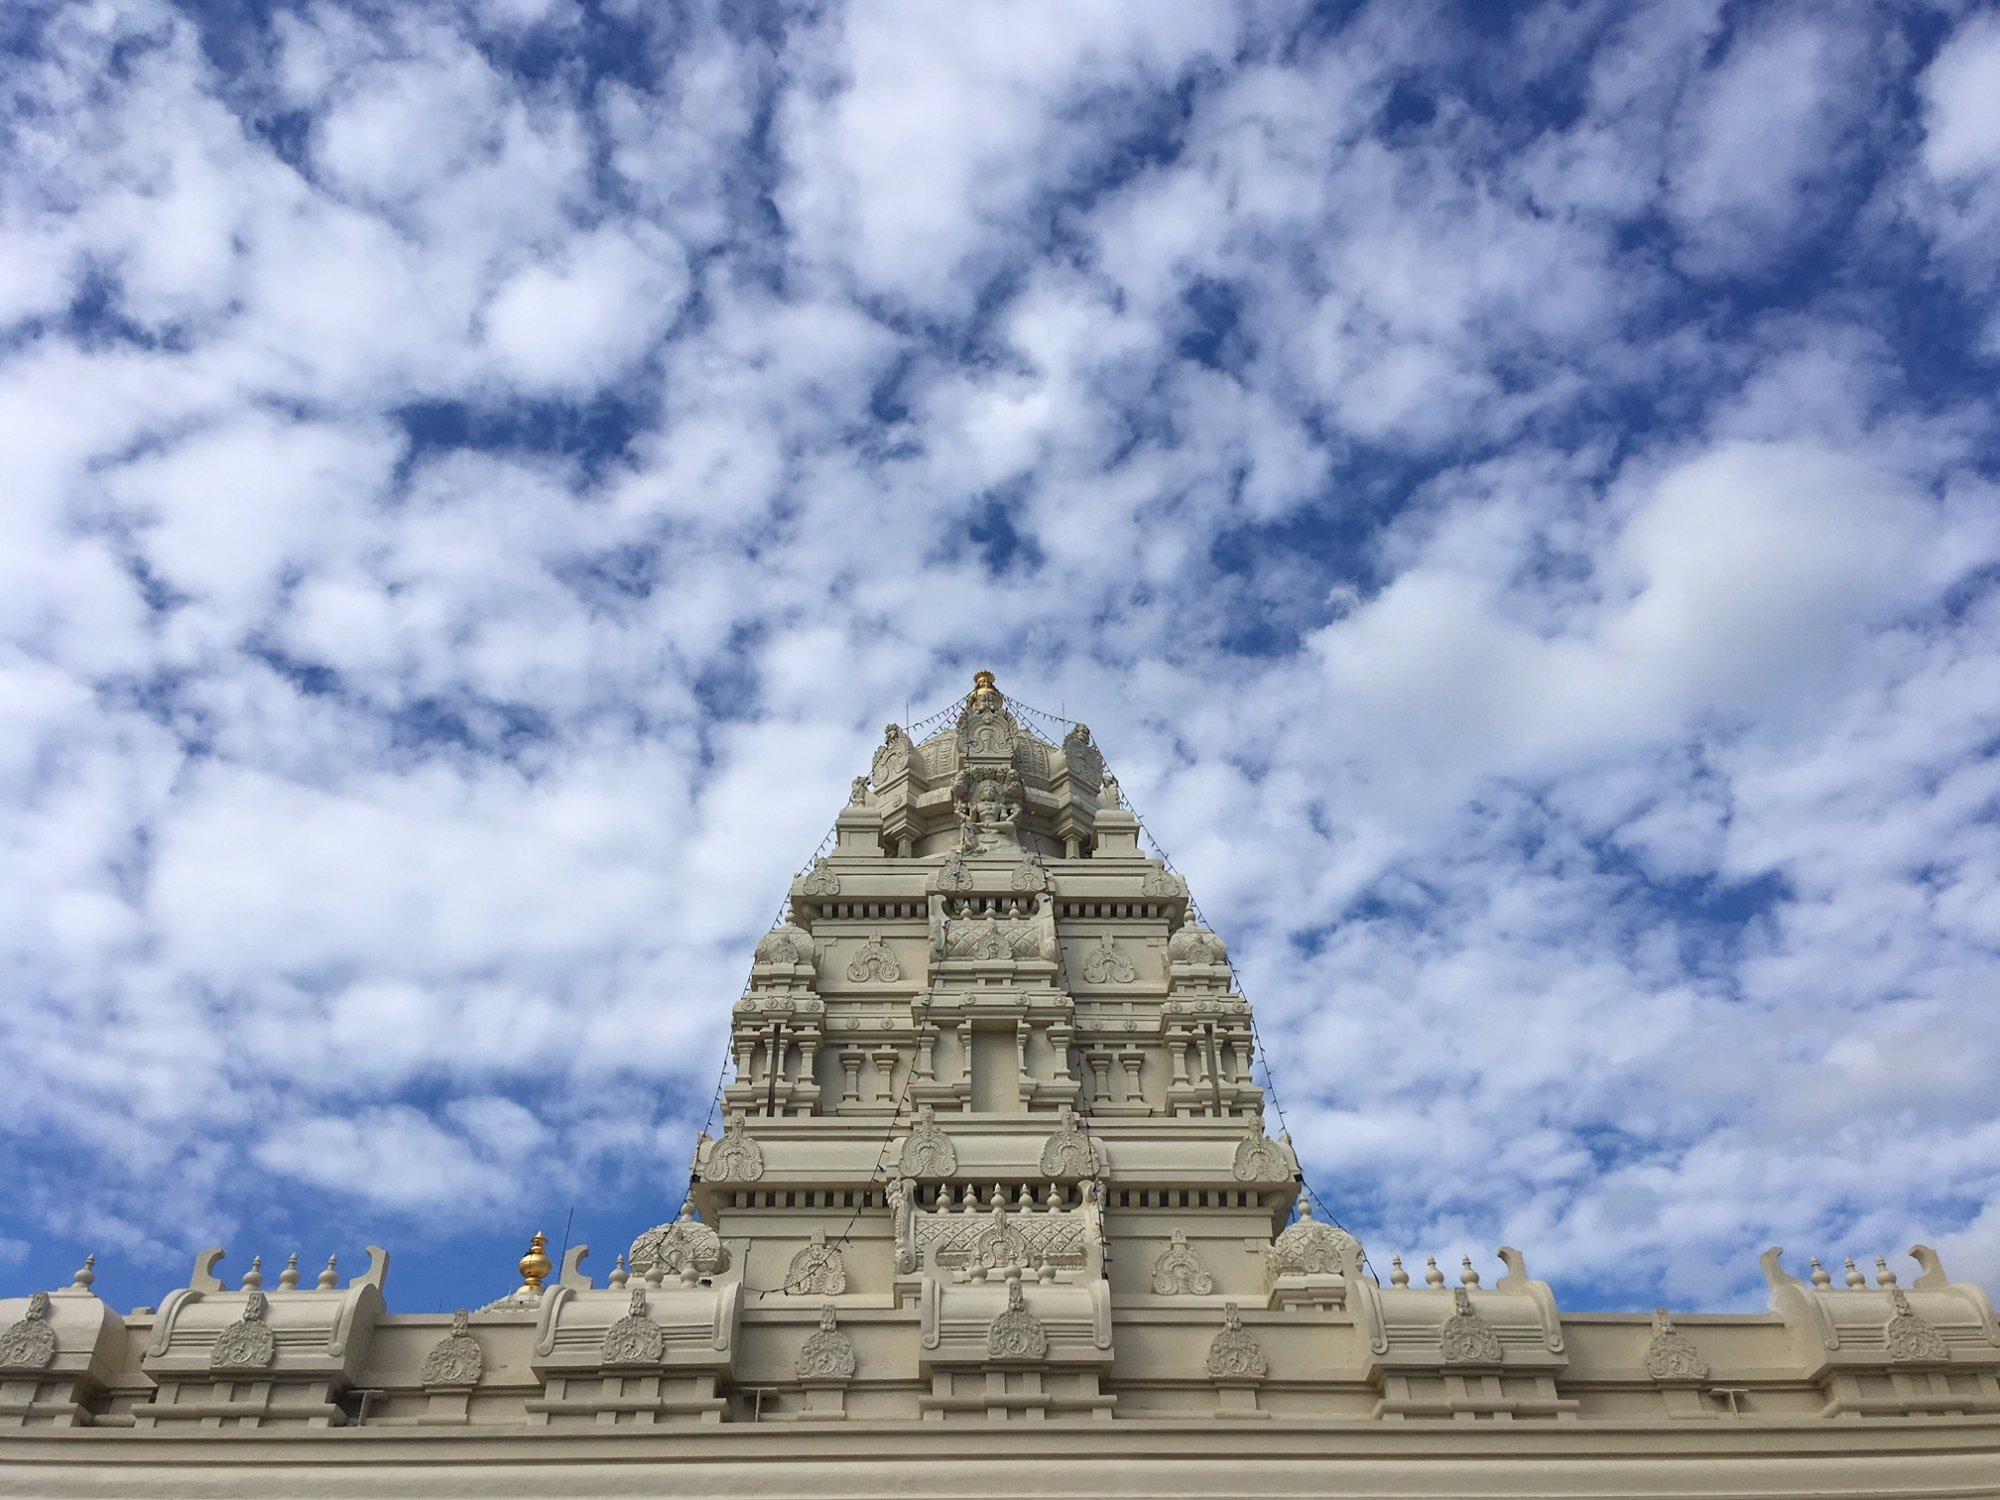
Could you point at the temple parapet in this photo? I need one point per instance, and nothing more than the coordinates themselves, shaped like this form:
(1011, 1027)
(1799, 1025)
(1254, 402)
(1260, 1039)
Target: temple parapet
(1884, 1350)
(59, 1354)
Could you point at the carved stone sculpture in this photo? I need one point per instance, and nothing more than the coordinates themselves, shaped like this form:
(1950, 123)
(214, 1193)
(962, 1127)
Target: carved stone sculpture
(1016, 1333)
(455, 1359)
(1259, 1158)
(246, 1344)
(827, 1354)
(1466, 1338)
(635, 1339)
(786, 943)
(820, 881)
(1106, 963)
(734, 1158)
(1180, 1271)
(670, 1248)
(31, 1343)
(874, 963)
(927, 1150)
(1234, 1354)
(1193, 943)
(1069, 1152)
(1309, 1248)
(818, 1270)
(1907, 1337)
(1672, 1355)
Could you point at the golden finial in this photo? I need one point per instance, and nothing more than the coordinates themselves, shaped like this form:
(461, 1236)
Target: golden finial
(536, 1263)
(984, 693)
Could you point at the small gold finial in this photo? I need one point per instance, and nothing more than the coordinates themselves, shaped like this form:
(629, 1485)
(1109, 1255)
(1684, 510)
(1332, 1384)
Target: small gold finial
(983, 690)
(536, 1263)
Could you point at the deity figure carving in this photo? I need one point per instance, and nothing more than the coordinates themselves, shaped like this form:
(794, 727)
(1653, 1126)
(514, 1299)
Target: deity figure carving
(635, 1339)
(1672, 1354)
(1016, 1333)
(1909, 1338)
(246, 1344)
(31, 1343)
(987, 800)
(1466, 1338)
(1234, 1354)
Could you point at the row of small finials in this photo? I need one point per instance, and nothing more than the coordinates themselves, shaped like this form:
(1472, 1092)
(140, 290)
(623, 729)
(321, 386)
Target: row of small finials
(1469, 1274)
(1884, 1277)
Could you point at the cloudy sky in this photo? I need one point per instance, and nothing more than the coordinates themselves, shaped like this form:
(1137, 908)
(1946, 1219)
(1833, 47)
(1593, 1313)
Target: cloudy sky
(1515, 493)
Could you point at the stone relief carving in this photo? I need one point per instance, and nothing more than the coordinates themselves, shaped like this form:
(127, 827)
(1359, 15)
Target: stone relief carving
(247, 1343)
(997, 1239)
(635, 1339)
(455, 1359)
(1069, 1152)
(952, 874)
(1030, 876)
(928, 1151)
(873, 961)
(1083, 758)
(1234, 1354)
(1909, 1338)
(818, 1270)
(892, 756)
(857, 794)
(1309, 1248)
(1016, 1333)
(820, 881)
(1193, 943)
(1672, 1354)
(897, 1190)
(991, 938)
(1160, 883)
(1261, 1159)
(671, 1248)
(1108, 794)
(1180, 1271)
(31, 1343)
(1466, 1338)
(986, 730)
(787, 943)
(734, 1158)
(987, 800)
(1107, 963)
(827, 1354)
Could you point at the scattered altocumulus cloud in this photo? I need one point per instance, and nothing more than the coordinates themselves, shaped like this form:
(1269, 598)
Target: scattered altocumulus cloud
(1517, 497)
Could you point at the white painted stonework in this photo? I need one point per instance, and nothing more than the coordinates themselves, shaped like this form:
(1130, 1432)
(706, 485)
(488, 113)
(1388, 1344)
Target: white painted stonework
(994, 1210)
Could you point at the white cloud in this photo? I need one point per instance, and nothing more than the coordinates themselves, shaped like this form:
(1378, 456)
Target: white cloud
(1961, 91)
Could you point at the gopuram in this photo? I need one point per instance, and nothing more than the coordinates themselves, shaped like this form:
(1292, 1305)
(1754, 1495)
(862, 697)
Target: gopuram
(995, 1208)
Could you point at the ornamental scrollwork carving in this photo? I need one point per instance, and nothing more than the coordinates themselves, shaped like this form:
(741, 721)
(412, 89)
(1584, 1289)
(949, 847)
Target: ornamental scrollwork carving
(1180, 1271)
(246, 1344)
(818, 1270)
(892, 756)
(1107, 963)
(1160, 883)
(873, 962)
(1016, 1333)
(635, 1339)
(1070, 1152)
(927, 1150)
(455, 1359)
(1672, 1354)
(1261, 1159)
(991, 938)
(787, 943)
(820, 881)
(1908, 1337)
(1234, 1354)
(829, 1353)
(734, 1158)
(1193, 943)
(1030, 876)
(1309, 1248)
(952, 875)
(1466, 1338)
(1083, 758)
(31, 1343)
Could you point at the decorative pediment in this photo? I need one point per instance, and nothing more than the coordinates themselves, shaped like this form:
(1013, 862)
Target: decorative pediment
(1309, 1248)
(827, 1354)
(672, 1248)
(818, 1270)
(787, 943)
(1465, 1338)
(1672, 1355)
(1233, 1354)
(1261, 1159)
(1180, 1271)
(736, 1157)
(246, 1344)
(927, 1150)
(31, 1343)
(1016, 1333)
(1070, 1152)
(635, 1339)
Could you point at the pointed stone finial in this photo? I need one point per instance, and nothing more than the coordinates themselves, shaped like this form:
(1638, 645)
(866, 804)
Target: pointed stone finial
(1052, 1199)
(1397, 1275)
(619, 1275)
(288, 1279)
(253, 1279)
(1026, 1198)
(1467, 1273)
(86, 1274)
(1820, 1278)
(536, 1265)
(1884, 1277)
(1432, 1275)
(330, 1277)
(1855, 1279)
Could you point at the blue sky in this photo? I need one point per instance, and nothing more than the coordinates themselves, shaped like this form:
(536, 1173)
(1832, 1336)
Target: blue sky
(1512, 489)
